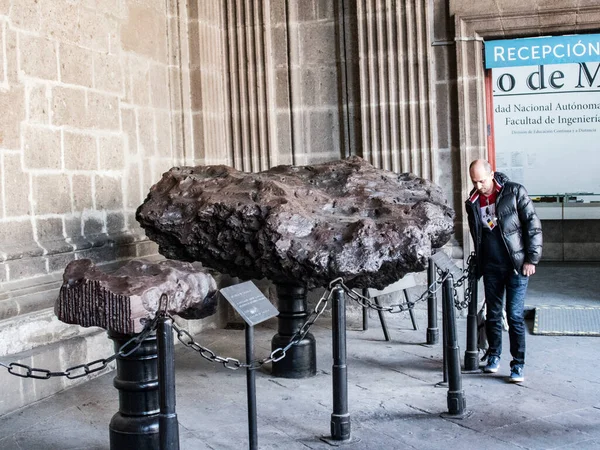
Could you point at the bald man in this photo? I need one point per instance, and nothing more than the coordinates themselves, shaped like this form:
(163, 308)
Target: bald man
(507, 234)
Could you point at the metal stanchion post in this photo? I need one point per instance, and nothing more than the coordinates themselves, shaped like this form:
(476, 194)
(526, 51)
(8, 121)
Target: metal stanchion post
(472, 353)
(168, 427)
(251, 389)
(433, 332)
(340, 418)
(444, 381)
(365, 311)
(456, 397)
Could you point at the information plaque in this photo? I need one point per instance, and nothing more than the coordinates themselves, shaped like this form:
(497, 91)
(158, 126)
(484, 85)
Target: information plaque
(249, 302)
(444, 262)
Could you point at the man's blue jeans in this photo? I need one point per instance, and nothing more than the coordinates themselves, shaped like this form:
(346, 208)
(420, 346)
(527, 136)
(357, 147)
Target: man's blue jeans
(496, 282)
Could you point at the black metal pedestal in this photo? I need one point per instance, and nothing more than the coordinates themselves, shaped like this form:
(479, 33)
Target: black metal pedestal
(340, 418)
(301, 359)
(456, 397)
(135, 426)
(340, 424)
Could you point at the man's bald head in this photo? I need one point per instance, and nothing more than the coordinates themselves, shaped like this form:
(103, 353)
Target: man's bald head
(481, 164)
(482, 176)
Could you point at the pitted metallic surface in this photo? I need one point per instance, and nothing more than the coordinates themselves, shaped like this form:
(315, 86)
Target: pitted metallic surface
(303, 225)
(124, 300)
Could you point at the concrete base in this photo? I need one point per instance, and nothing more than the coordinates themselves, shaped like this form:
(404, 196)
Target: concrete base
(335, 443)
(464, 415)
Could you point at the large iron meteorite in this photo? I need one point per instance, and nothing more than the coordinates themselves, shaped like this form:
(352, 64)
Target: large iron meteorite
(304, 225)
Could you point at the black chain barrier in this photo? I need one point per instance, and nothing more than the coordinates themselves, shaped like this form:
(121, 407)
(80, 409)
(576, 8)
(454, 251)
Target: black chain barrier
(396, 308)
(276, 355)
(468, 274)
(82, 370)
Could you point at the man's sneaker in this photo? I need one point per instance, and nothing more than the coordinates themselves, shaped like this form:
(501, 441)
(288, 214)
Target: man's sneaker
(493, 364)
(516, 374)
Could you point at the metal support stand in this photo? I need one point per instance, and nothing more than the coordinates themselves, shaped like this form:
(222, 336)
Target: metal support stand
(340, 418)
(384, 327)
(301, 359)
(411, 313)
(365, 311)
(433, 333)
(381, 313)
(251, 389)
(136, 424)
(472, 352)
(167, 419)
(456, 397)
(444, 381)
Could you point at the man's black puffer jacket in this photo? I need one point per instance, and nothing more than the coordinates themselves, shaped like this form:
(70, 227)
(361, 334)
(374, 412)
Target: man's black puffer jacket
(520, 226)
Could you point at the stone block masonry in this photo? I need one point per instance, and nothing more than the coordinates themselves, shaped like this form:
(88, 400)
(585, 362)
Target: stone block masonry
(85, 97)
(87, 106)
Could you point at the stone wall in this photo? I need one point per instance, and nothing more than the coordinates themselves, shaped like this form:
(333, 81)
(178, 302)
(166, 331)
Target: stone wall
(396, 95)
(443, 51)
(87, 129)
(89, 123)
(265, 82)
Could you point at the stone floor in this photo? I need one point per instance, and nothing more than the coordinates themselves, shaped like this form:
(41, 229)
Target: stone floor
(393, 399)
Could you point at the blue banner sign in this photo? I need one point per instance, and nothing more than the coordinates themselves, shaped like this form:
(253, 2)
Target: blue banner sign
(542, 50)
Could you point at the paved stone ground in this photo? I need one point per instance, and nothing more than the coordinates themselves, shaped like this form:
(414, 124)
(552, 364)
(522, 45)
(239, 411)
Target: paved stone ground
(393, 401)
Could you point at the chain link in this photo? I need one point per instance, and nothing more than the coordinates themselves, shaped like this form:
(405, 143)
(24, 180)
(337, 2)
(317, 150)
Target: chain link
(469, 275)
(82, 370)
(276, 355)
(188, 341)
(396, 308)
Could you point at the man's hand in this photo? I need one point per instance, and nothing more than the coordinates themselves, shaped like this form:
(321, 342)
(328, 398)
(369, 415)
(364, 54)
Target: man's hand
(528, 269)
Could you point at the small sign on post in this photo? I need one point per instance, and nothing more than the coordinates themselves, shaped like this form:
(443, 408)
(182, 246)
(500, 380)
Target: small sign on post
(249, 302)
(254, 308)
(444, 262)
